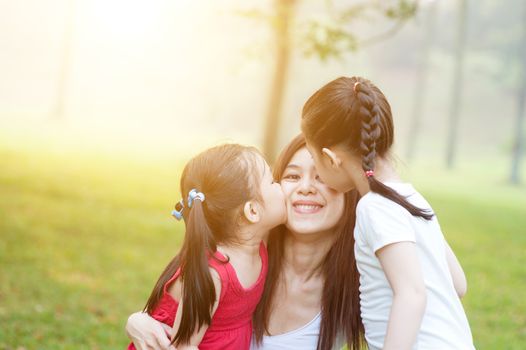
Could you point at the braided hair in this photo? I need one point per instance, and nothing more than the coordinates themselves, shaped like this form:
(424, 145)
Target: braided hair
(370, 129)
(354, 112)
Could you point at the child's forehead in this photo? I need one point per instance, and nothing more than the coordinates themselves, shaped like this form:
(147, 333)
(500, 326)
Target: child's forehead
(257, 163)
(263, 165)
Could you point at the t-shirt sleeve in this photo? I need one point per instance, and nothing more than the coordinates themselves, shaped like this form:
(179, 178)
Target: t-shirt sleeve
(384, 222)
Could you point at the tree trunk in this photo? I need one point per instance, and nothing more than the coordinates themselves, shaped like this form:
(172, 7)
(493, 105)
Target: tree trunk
(454, 115)
(518, 145)
(421, 79)
(64, 69)
(284, 13)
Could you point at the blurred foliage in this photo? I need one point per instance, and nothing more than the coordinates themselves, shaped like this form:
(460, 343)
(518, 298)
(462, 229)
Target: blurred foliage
(330, 34)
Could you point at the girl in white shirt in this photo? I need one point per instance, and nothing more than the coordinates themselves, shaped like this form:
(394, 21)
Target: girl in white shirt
(410, 280)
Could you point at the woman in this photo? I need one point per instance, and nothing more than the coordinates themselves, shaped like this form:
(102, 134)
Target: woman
(311, 297)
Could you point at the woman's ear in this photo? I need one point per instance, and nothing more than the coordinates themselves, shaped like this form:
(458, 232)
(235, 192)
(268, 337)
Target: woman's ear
(251, 212)
(333, 158)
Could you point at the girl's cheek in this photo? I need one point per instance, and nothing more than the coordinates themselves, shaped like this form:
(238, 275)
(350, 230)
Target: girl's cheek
(287, 189)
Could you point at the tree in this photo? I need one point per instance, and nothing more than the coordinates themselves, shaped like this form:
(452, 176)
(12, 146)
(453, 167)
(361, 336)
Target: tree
(64, 69)
(518, 146)
(421, 79)
(283, 19)
(456, 90)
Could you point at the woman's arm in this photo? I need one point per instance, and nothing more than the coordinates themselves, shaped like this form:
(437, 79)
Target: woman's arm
(402, 269)
(457, 273)
(147, 333)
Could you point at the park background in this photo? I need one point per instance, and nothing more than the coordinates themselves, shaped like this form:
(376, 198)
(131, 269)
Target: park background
(103, 101)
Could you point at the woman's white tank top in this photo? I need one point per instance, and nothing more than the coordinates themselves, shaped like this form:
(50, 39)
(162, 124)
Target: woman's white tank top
(303, 338)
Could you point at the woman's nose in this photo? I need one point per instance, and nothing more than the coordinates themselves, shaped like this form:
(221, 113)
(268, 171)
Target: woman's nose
(306, 186)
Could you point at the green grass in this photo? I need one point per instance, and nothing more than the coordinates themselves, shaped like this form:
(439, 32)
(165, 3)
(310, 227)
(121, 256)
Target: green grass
(484, 219)
(82, 243)
(83, 238)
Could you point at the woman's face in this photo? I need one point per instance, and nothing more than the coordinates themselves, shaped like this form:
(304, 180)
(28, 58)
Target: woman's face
(311, 205)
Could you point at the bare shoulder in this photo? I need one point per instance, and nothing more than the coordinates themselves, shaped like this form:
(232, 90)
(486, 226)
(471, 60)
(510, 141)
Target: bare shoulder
(217, 280)
(176, 289)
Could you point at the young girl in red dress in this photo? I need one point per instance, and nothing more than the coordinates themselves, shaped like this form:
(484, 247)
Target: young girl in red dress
(209, 291)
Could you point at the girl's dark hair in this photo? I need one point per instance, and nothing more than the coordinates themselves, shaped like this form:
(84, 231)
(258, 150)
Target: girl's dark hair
(353, 112)
(224, 175)
(340, 302)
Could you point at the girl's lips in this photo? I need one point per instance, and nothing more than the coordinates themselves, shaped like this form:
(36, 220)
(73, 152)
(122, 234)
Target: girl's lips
(306, 207)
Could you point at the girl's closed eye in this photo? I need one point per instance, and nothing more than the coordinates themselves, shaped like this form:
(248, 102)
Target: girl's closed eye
(318, 178)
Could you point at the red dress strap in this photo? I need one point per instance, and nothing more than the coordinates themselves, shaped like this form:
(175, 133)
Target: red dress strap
(171, 280)
(220, 264)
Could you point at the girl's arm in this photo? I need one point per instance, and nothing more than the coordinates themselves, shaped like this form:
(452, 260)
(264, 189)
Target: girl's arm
(198, 336)
(147, 333)
(457, 273)
(402, 269)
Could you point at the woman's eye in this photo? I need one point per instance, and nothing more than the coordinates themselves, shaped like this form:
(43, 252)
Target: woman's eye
(318, 178)
(291, 177)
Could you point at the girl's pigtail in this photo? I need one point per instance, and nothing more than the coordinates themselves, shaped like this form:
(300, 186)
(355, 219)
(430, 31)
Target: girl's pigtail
(157, 292)
(198, 292)
(370, 133)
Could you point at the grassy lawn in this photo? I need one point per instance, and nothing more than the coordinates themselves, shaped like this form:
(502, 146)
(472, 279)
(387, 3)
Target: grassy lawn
(84, 237)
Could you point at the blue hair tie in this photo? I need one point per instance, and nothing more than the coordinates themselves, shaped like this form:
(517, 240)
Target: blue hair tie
(194, 195)
(178, 214)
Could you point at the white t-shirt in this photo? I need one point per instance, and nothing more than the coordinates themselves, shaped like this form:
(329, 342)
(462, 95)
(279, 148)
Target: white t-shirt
(303, 338)
(379, 222)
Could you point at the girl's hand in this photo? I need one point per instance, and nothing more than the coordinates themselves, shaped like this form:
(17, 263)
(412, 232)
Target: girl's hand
(147, 333)
(459, 278)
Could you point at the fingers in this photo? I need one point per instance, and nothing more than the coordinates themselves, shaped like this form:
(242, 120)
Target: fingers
(164, 343)
(168, 330)
(146, 333)
(154, 345)
(140, 345)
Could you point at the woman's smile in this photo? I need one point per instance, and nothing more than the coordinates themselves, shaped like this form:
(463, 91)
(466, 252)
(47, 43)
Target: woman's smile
(306, 207)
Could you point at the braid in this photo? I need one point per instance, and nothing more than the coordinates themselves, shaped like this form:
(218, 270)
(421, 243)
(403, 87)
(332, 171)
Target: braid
(360, 117)
(370, 124)
(370, 133)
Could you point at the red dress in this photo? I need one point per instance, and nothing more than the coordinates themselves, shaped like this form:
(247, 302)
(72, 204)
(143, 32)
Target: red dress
(231, 326)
